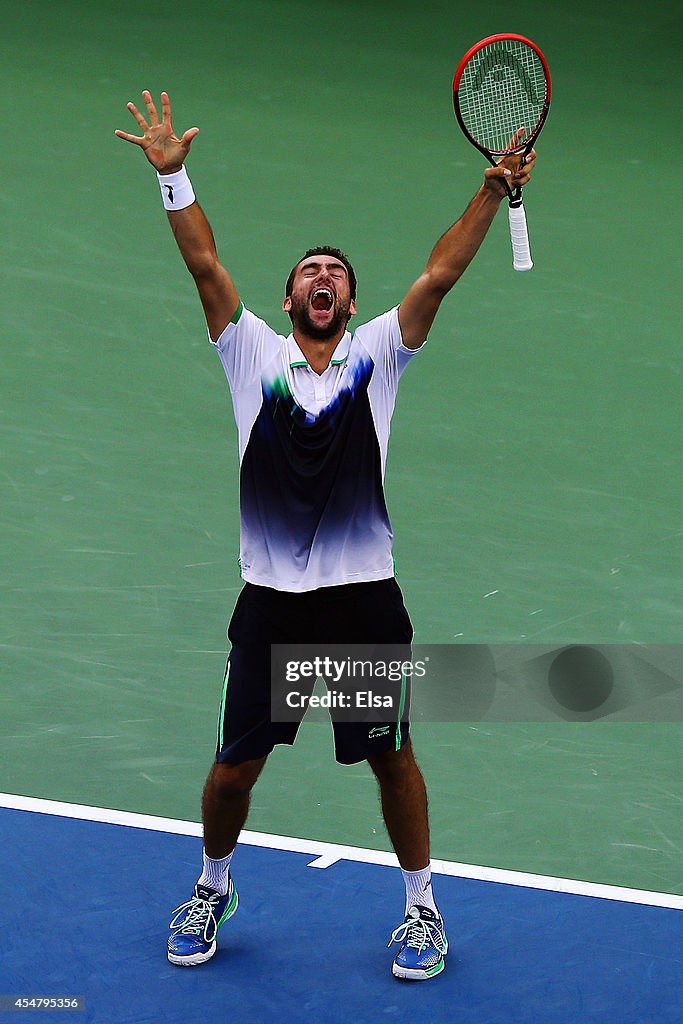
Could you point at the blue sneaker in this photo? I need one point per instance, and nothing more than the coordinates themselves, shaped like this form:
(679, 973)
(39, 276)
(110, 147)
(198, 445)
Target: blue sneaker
(196, 923)
(423, 945)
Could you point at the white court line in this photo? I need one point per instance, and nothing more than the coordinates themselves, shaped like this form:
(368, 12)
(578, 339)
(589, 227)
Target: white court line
(326, 854)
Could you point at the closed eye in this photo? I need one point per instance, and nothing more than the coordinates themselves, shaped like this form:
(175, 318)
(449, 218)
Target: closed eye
(334, 270)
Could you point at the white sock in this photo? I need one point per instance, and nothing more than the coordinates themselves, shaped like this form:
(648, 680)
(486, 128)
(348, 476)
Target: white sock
(215, 873)
(419, 888)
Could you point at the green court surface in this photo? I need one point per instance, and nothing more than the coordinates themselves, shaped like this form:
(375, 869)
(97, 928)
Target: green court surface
(534, 477)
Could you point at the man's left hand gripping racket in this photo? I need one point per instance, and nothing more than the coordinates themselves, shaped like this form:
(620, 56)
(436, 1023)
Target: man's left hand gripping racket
(501, 96)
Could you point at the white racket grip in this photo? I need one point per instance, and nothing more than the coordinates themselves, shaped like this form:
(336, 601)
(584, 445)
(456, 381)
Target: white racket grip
(521, 254)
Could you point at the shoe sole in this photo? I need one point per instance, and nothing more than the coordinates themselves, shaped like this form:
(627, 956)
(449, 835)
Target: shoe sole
(413, 974)
(200, 958)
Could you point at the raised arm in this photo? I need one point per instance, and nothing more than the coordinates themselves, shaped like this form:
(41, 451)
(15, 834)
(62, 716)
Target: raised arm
(166, 152)
(455, 250)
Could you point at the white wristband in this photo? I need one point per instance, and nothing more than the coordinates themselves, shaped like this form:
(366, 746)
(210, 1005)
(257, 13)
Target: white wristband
(176, 190)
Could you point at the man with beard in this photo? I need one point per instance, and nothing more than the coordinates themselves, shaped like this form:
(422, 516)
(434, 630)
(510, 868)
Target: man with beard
(313, 413)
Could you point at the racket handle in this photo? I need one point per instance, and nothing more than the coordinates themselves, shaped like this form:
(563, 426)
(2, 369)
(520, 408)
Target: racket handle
(521, 254)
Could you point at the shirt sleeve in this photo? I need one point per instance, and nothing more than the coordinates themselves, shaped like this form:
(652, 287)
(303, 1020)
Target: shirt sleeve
(383, 340)
(245, 347)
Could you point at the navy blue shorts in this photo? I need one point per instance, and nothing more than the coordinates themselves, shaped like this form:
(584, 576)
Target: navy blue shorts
(356, 613)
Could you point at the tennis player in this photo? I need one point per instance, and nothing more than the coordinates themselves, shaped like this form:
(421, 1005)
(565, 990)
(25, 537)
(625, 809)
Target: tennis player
(313, 413)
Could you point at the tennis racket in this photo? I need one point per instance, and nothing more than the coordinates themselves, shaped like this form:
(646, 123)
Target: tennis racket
(501, 96)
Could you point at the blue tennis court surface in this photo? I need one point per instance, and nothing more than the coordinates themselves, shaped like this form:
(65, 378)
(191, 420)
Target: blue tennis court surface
(86, 906)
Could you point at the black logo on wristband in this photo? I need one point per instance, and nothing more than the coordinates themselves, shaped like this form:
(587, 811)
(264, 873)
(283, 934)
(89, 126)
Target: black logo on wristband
(170, 193)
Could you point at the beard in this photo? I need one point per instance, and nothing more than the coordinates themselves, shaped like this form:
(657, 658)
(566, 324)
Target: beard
(301, 319)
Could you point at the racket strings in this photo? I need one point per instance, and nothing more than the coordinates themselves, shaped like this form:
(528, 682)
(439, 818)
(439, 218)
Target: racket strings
(503, 88)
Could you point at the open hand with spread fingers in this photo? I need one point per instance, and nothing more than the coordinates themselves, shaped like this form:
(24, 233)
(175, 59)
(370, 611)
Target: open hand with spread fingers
(162, 147)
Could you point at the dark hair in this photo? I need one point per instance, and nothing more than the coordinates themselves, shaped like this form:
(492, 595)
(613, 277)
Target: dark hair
(324, 250)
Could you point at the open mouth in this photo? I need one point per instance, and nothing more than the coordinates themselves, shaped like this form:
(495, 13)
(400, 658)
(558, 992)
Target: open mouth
(322, 300)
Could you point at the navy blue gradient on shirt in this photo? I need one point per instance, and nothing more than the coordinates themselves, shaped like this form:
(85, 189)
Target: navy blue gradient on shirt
(307, 479)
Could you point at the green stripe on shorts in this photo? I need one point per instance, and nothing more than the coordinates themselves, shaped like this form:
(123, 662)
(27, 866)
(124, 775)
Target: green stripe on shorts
(401, 706)
(221, 713)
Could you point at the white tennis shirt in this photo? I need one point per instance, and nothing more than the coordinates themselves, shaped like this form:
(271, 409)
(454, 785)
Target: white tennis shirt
(313, 451)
